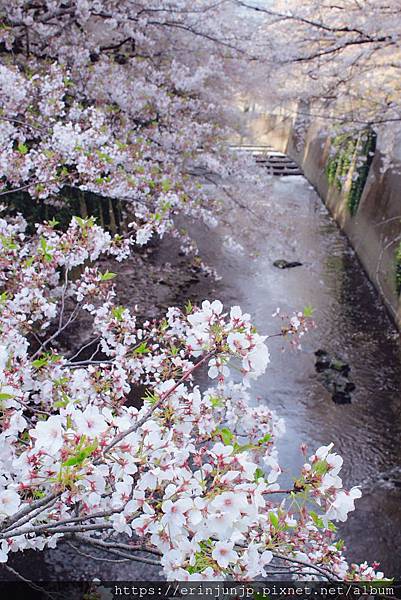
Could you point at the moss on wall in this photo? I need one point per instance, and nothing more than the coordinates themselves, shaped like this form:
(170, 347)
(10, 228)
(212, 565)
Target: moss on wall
(351, 156)
(398, 269)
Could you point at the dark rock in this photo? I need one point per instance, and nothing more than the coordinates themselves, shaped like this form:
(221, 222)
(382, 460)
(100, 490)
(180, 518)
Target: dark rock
(339, 387)
(284, 264)
(335, 373)
(341, 398)
(323, 361)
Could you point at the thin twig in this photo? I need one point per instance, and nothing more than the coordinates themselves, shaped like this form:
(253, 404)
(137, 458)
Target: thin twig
(162, 398)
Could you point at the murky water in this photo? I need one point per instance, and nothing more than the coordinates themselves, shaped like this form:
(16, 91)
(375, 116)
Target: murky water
(288, 220)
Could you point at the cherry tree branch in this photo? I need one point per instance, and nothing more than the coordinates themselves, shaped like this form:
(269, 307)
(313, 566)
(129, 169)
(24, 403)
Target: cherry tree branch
(157, 404)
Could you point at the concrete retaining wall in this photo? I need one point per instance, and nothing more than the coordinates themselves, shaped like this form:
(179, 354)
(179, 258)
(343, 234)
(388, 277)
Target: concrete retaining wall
(375, 230)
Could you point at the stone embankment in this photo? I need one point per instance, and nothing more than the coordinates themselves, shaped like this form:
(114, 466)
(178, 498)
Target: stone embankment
(373, 222)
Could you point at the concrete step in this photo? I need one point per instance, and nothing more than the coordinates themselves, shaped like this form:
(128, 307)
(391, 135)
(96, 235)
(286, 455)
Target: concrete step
(277, 163)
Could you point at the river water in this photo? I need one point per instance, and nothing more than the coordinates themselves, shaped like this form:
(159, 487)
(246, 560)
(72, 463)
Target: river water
(286, 219)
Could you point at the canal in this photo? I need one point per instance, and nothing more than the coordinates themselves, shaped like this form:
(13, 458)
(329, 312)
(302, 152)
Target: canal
(284, 218)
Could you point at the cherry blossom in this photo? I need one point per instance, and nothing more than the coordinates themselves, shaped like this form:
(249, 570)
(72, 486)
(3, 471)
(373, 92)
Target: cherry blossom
(9, 502)
(224, 554)
(90, 422)
(48, 434)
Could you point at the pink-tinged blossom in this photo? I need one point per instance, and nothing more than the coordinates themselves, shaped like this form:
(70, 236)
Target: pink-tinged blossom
(224, 554)
(175, 513)
(4, 550)
(90, 422)
(9, 502)
(230, 502)
(343, 504)
(238, 342)
(220, 524)
(48, 434)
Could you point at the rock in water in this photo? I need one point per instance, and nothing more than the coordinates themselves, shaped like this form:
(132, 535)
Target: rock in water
(284, 264)
(323, 360)
(334, 377)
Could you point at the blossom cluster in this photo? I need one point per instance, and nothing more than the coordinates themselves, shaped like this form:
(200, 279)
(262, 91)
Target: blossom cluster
(187, 474)
(96, 100)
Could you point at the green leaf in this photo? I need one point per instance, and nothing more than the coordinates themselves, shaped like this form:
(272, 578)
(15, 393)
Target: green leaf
(38, 493)
(321, 467)
(45, 360)
(80, 456)
(60, 404)
(226, 435)
(104, 156)
(46, 250)
(274, 520)
(5, 396)
(151, 398)
(142, 349)
(339, 545)
(22, 148)
(259, 473)
(308, 311)
(107, 276)
(8, 243)
(163, 325)
(80, 221)
(265, 439)
(166, 185)
(74, 460)
(117, 312)
(40, 362)
(216, 402)
(243, 447)
(316, 519)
